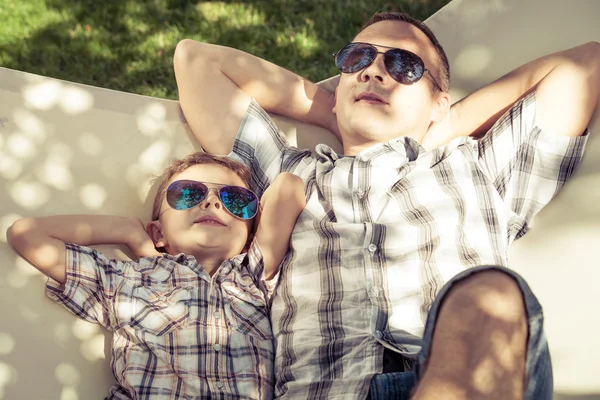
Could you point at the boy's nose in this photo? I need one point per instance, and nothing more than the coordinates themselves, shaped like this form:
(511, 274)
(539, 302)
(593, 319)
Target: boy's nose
(212, 199)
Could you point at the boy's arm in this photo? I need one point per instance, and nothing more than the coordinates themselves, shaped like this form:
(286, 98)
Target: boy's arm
(567, 85)
(216, 84)
(281, 205)
(41, 241)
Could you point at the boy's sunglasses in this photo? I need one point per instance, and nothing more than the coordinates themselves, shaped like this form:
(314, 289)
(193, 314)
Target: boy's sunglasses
(402, 65)
(238, 201)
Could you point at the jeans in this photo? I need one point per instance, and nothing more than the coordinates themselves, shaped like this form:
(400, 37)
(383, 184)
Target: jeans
(538, 369)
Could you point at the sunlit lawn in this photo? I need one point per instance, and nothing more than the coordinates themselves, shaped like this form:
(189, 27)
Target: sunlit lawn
(128, 44)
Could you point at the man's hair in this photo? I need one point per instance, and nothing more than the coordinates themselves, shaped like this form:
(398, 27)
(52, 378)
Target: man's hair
(442, 61)
(178, 166)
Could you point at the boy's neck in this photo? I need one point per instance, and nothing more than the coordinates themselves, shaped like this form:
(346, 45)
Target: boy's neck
(209, 262)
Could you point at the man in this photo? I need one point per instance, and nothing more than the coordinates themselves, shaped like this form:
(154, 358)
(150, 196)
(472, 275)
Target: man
(389, 266)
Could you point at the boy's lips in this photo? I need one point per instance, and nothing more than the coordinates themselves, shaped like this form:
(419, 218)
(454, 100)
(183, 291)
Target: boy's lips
(209, 220)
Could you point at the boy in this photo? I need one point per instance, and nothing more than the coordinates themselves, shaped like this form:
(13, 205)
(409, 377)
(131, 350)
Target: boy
(191, 322)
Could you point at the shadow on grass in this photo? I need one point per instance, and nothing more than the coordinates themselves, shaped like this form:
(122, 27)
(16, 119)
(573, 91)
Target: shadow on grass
(128, 46)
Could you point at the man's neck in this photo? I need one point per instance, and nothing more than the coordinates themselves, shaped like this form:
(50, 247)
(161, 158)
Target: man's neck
(354, 145)
(352, 148)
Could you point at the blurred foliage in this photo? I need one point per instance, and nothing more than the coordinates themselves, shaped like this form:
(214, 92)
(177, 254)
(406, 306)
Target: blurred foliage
(128, 44)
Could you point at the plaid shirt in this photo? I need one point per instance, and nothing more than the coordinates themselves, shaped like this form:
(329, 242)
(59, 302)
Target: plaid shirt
(382, 232)
(177, 332)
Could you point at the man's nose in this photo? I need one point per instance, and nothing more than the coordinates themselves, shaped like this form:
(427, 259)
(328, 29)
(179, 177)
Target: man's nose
(376, 70)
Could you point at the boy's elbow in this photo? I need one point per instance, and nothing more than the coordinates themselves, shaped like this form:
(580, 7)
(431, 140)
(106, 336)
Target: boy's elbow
(17, 233)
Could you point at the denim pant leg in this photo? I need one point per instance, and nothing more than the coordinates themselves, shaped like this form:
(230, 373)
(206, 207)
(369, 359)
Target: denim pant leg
(538, 369)
(539, 382)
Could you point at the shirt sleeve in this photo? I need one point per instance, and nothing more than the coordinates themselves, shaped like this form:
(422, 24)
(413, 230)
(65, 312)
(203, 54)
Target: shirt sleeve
(92, 280)
(261, 146)
(254, 265)
(526, 165)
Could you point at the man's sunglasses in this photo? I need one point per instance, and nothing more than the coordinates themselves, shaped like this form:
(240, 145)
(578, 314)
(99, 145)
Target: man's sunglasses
(238, 201)
(402, 65)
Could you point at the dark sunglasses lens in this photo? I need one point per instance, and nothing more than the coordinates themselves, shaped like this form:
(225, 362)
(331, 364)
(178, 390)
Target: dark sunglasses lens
(354, 57)
(404, 66)
(182, 195)
(239, 201)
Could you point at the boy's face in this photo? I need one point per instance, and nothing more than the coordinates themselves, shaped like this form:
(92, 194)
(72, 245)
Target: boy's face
(221, 236)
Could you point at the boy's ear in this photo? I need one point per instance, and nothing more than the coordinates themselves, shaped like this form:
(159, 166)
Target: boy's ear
(154, 229)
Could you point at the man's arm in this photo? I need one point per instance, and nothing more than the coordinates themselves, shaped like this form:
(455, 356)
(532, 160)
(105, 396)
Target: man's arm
(216, 84)
(567, 85)
(41, 241)
(281, 205)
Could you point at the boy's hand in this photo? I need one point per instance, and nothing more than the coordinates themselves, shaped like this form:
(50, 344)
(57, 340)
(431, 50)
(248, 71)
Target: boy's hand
(140, 243)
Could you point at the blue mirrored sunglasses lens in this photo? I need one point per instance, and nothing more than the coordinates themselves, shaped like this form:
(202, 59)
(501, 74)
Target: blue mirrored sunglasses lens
(239, 201)
(405, 67)
(182, 195)
(354, 57)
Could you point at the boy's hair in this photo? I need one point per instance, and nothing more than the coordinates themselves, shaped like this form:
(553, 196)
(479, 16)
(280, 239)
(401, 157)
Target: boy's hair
(442, 61)
(178, 166)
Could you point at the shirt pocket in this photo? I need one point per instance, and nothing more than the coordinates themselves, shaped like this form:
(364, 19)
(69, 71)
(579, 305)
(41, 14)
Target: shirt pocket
(160, 311)
(247, 310)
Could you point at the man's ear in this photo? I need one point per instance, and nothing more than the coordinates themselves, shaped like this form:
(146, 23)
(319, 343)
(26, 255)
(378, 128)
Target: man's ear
(441, 108)
(154, 229)
(334, 100)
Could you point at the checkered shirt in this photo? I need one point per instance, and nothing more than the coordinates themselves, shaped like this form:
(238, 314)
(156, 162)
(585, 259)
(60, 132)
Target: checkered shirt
(177, 332)
(382, 232)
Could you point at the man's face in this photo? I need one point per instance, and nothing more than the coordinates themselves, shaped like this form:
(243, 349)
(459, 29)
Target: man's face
(404, 110)
(207, 228)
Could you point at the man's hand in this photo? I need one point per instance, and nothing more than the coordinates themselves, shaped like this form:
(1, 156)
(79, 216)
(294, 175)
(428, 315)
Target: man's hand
(440, 133)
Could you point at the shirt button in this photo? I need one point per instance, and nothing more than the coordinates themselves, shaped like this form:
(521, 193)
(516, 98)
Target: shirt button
(360, 193)
(378, 335)
(217, 315)
(372, 248)
(375, 291)
(217, 347)
(219, 385)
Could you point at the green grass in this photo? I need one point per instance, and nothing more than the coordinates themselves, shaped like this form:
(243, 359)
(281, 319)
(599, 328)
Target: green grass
(128, 44)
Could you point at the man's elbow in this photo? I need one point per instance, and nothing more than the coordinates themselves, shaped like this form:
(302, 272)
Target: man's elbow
(184, 52)
(188, 52)
(589, 60)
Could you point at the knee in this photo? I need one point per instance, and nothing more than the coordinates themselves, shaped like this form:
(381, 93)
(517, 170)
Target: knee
(492, 292)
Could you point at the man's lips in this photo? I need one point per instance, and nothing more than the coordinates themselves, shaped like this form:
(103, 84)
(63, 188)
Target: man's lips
(370, 97)
(209, 220)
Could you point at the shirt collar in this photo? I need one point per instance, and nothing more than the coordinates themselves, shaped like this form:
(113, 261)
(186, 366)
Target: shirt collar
(405, 146)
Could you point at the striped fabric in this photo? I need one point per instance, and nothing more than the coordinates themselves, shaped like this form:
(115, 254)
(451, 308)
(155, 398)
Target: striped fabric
(383, 231)
(177, 332)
